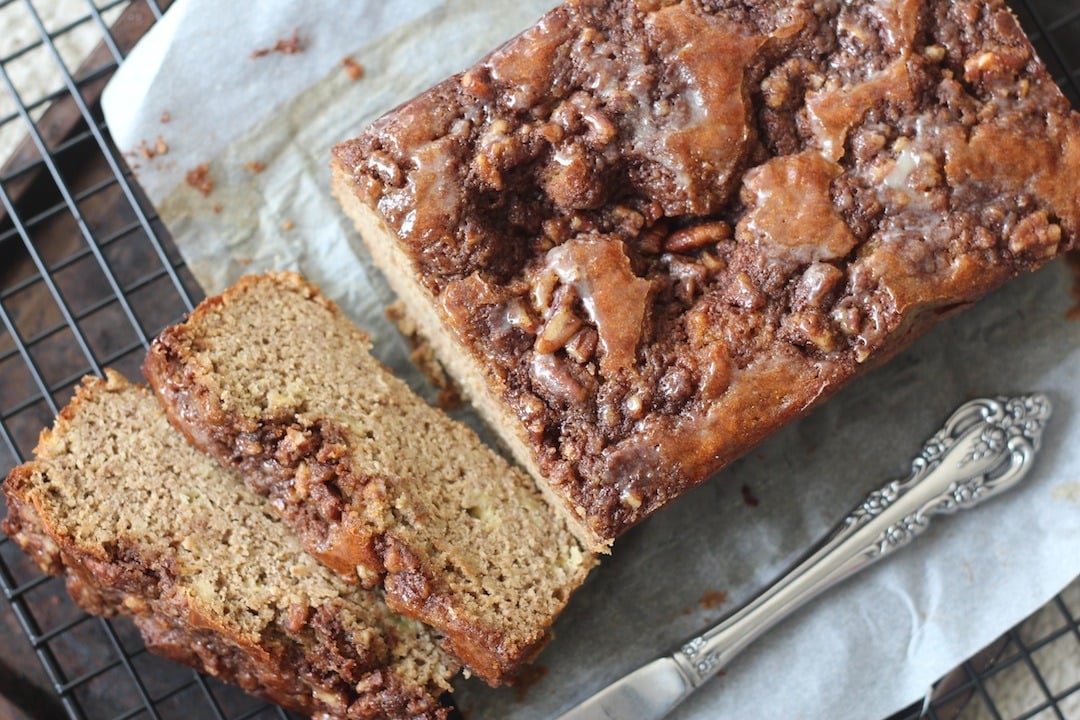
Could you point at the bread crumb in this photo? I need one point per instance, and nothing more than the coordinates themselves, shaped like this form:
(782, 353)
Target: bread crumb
(712, 599)
(165, 117)
(287, 225)
(353, 69)
(217, 208)
(254, 167)
(199, 178)
(159, 148)
(245, 261)
(286, 46)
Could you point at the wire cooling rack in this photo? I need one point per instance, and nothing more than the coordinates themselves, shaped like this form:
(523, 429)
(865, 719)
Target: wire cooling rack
(88, 276)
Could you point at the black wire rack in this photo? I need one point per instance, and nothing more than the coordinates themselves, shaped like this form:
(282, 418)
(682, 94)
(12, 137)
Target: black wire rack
(88, 275)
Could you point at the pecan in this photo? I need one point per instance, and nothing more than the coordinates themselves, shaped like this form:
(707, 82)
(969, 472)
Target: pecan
(697, 236)
(518, 315)
(582, 346)
(560, 327)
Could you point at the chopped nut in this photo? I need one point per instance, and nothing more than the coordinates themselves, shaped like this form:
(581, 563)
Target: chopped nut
(560, 327)
(934, 53)
(552, 132)
(652, 240)
(601, 130)
(697, 236)
(627, 219)
(473, 82)
(582, 346)
(745, 294)
(812, 328)
(848, 319)
(712, 263)
(631, 498)
(552, 378)
(543, 290)
(519, 316)
(1035, 235)
(297, 617)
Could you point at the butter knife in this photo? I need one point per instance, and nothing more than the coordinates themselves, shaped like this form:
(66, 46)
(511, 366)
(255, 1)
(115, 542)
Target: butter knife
(985, 447)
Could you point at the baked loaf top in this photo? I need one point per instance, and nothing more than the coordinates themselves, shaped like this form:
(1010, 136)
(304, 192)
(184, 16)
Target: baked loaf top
(143, 524)
(272, 379)
(659, 230)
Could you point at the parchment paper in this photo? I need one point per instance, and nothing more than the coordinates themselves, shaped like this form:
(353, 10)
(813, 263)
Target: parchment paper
(862, 650)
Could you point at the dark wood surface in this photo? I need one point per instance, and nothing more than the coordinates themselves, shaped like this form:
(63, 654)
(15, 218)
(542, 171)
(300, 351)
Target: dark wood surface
(26, 692)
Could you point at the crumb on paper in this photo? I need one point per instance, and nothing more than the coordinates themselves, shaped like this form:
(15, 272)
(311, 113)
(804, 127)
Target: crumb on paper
(254, 167)
(245, 261)
(712, 599)
(423, 357)
(288, 225)
(160, 147)
(1072, 259)
(748, 497)
(528, 678)
(286, 46)
(200, 179)
(217, 208)
(165, 117)
(353, 69)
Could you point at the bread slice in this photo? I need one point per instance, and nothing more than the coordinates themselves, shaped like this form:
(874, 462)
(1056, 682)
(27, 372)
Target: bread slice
(140, 523)
(271, 378)
(645, 234)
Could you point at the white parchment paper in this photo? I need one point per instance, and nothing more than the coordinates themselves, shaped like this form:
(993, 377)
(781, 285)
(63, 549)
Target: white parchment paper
(862, 650)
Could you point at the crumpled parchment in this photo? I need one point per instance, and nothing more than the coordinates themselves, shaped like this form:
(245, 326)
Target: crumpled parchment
(863, 650)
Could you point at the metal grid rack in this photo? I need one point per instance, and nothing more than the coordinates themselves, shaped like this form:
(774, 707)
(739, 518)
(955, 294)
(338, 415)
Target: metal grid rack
(88, 275)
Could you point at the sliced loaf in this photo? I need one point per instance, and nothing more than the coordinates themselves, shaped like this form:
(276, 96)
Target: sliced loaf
(141, 523)
(271, 378)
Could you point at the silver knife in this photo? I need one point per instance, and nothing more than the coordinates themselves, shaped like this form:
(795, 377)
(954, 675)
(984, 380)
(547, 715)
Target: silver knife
(985, 447)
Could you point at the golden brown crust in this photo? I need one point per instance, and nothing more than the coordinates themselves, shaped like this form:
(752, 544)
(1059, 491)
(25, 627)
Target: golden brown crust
(308, 669)
(380, 515)
(655, 252)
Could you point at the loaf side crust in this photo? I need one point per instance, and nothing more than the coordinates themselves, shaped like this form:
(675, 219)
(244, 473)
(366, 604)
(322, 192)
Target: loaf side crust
(661, 231)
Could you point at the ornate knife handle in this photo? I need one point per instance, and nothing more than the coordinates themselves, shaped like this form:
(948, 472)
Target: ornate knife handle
(984, 448)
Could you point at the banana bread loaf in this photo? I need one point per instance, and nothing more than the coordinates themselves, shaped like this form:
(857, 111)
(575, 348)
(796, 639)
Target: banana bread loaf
(140, 523)
(645, 234)
(272, 379)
